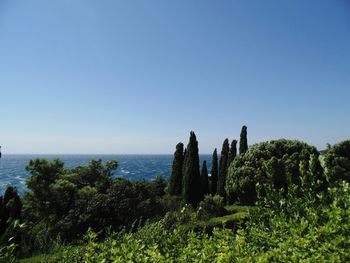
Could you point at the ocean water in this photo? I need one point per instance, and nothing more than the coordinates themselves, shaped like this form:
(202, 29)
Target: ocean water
(133, 167)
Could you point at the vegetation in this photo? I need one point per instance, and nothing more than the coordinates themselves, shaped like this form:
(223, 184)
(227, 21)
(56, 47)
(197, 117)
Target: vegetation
(232, 153)
(10, 209)
(175, 181)
(318, 234)
(337, 162)
(214, 172)
(223, 168)
(272, 166)
(243, 143)
(285, 203)
(204, 179)
(192, 192)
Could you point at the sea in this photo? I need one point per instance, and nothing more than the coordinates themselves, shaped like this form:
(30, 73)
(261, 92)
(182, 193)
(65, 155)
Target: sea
(132, 167)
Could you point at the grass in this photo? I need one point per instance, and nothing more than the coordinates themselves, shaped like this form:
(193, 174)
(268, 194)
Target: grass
(237, 208)
(235, 214)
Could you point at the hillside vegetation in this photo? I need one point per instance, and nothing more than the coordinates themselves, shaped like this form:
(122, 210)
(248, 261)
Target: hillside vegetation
(276, 201)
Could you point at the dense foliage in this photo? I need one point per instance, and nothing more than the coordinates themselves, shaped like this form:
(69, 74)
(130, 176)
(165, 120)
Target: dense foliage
(232, 153)
(10, 208)
(243, 142)
(192, 192)
(204, 179)
(214, 172)
(337, 162)
(298, 209)
(175, 180)
(63, 203)
(223, 168)
(276, 165)
(314, 233)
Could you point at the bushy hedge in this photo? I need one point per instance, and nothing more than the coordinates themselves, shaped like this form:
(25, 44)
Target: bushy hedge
(337, 162)
(278, 164)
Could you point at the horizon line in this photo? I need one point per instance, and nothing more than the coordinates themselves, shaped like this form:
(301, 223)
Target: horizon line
(3, 154)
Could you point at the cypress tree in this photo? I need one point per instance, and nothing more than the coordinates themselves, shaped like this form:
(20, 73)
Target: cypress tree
(233, 152)
(204, 177)
(223, 168)
(175, 182)
(243, 143)
(183, 168)
(214, 172)
(191, 183)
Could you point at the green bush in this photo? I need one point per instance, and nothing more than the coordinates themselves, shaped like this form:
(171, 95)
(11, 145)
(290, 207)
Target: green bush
(337, 162)
(275, 166)
(211, 206)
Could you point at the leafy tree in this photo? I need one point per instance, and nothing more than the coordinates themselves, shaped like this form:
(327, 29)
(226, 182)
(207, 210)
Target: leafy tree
(59, 199)
(157, 186)
(223, 168)
(205, 181)
(337, 162)
(232, 153)
(175, 181)
(86, 197)
(275, 172)
(214, 172)
(191, 183)
(274, 163)
(44, 173)
(243, 143)
(10, 208)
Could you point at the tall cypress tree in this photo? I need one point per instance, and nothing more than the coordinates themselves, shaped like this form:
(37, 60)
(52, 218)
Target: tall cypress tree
(233, 152)
(204, 178)
(223, 168)
(191, 183)
(175, 182)
(214, 172)
(243, 143)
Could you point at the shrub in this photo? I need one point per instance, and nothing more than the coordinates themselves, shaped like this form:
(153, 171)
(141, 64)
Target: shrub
(211, 206)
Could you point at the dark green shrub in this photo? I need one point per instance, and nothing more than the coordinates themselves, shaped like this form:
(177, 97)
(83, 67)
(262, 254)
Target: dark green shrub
(337, 162)
(211, 206)
(276, 164)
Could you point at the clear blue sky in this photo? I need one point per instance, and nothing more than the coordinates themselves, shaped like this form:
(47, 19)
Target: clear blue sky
(85, 76)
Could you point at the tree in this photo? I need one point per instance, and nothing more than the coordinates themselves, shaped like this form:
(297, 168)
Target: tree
(274, 163)
(275, 172)
(191, 184)
(233, 152)
(10, 208)
(204, 177)
(223, 168)
(214, 172)
(243, 143)
(61, 200)
(337, 162)
(175, 182)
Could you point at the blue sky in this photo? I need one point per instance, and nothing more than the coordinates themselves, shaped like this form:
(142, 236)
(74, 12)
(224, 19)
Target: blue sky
(85, 76)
